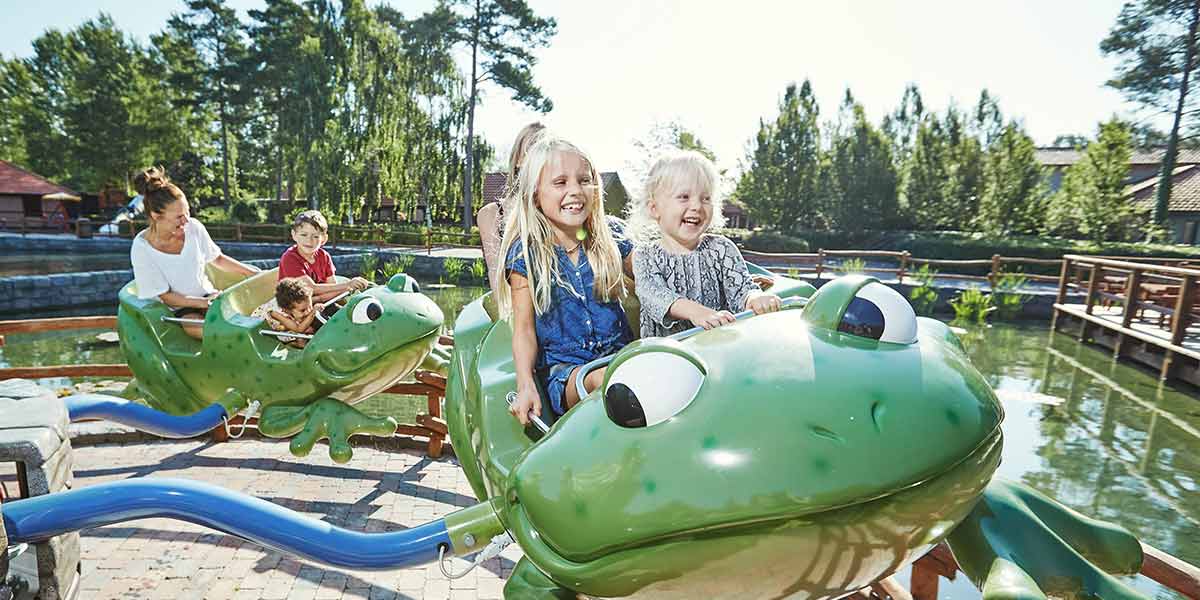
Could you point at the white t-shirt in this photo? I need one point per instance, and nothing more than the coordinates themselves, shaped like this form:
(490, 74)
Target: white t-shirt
(157, 272)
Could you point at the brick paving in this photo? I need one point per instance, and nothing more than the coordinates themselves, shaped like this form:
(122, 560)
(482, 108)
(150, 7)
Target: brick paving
(378, 490)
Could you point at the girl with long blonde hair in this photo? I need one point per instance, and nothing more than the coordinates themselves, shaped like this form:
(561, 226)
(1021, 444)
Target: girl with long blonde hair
(563, 275)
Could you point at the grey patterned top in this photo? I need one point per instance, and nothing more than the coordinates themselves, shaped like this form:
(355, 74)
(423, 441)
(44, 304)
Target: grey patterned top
(714, 274)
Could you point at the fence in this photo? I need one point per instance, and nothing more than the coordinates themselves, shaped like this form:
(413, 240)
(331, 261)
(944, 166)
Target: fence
(833, 261)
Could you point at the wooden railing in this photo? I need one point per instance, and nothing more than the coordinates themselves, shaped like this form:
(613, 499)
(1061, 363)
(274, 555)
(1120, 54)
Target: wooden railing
(832, 261)
(1136, 288)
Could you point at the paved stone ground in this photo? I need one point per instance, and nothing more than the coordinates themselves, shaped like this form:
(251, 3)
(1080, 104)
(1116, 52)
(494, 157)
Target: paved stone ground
(376, 491)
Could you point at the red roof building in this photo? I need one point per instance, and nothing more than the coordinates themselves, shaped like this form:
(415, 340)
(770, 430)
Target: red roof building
(21, 196)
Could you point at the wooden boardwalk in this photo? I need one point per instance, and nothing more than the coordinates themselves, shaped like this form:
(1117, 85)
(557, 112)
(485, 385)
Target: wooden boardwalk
(1142, 311)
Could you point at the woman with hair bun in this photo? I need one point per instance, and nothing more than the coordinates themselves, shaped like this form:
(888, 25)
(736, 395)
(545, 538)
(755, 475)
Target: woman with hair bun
(169, 257)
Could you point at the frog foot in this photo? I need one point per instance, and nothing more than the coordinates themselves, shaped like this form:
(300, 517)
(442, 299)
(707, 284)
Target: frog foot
(324, 419)
(1018, 543)
(438, 360)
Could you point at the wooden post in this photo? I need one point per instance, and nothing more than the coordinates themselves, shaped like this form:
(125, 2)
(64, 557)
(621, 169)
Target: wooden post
(903, 267)
(820, 262)
(1132, 285)
(1179, 323)
(995, 273)
(1062, 291)
(1087, 302)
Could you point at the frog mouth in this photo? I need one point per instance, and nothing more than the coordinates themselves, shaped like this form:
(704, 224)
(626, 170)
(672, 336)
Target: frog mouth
(327, 360)
(970, 474)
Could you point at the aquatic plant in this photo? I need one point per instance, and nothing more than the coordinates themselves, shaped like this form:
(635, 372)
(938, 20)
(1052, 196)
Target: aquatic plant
(972, 305)
(453, 267)
(853, 265)
(1006, 296)
(478, 269)
(924, 297)
(369, 263)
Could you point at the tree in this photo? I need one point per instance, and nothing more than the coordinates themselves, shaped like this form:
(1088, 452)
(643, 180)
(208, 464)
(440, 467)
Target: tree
(502, 35)
(1092, 201)
(662, 138)
(1070, 140)
(215, 76)
(1156, 41)
(1013, 192)
(782, 180)
(862, 177)
(964, 167)
(925, 189)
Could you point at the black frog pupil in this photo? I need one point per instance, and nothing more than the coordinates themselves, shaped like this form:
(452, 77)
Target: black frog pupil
(623, 406)
(374, 311)
(862, 319)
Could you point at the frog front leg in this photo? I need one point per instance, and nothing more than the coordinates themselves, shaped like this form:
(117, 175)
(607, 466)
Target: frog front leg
(323, 419)
(527, 582)
(1017, 543)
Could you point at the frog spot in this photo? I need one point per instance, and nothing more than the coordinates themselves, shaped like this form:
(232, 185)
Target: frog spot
(709, 442)
(821, 465)
(649, 485)
(952, 417)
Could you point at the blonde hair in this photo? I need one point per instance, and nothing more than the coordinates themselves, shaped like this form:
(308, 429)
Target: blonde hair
(528, 135)
(669, 173)
(526, 224)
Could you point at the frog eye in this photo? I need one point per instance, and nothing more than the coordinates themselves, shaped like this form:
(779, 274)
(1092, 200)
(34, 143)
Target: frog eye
(366, 311)
(880, 313)
(650, 387)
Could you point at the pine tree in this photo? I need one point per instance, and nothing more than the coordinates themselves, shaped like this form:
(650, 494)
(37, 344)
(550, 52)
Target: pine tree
(927, 173)
(1157, 43)
(781, 184)
(1091, 201)
(1013, 193)
(861, 186)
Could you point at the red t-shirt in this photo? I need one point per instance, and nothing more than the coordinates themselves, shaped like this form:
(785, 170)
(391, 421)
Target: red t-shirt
(291, 264)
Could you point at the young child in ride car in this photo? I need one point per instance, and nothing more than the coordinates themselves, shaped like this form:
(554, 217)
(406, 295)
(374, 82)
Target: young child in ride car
(686, 276)
(292, 309)
(308, 258)
(562, 283)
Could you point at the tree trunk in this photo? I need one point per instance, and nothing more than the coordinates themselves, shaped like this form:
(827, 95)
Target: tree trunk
(1162, 202)
(224, 149)
(468, 169)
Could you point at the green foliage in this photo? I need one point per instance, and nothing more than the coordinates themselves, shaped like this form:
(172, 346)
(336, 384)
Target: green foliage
(500, 35)
(971, 305)
(1156, 42)
(247, 211)
(1091, 202)
(861, 185)
(924, 296)
(453, 267)
(369, 263)
(478, 269)
(213, 215)
(1006, 295)
(852, 265)
(766, 241)
(1013, 187)
(782, 180)
(405, 262)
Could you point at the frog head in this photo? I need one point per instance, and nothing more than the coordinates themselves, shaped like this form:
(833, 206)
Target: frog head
(771, 423)
(387, 328)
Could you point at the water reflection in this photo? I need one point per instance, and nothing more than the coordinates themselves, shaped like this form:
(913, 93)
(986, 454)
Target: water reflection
(1120, 446)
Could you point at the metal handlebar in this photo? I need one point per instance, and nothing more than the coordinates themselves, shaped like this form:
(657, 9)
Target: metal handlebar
(537, 421)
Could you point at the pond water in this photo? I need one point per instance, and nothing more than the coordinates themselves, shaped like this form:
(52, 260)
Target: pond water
(1102, 437)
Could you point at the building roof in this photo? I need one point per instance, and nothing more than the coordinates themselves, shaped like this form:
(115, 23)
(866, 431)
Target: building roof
(494, 184)
(1185, 190)
(1062, 157)
(17, 181)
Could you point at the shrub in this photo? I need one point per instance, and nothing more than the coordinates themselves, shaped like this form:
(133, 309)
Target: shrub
(247, 211)
(775, 242)
(479, 269)
(971, 305)
(1006, 297)
(924, 297)
(853, 265)
(369, 263)
(454, 267)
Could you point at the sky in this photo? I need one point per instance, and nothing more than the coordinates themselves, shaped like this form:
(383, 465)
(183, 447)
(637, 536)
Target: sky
(617, 68)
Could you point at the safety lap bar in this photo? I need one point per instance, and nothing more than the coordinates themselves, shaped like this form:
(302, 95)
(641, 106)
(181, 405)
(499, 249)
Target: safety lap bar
(786, 303)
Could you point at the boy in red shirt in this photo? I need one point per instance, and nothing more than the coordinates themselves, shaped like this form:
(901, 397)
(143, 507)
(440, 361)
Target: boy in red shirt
(308, 259)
